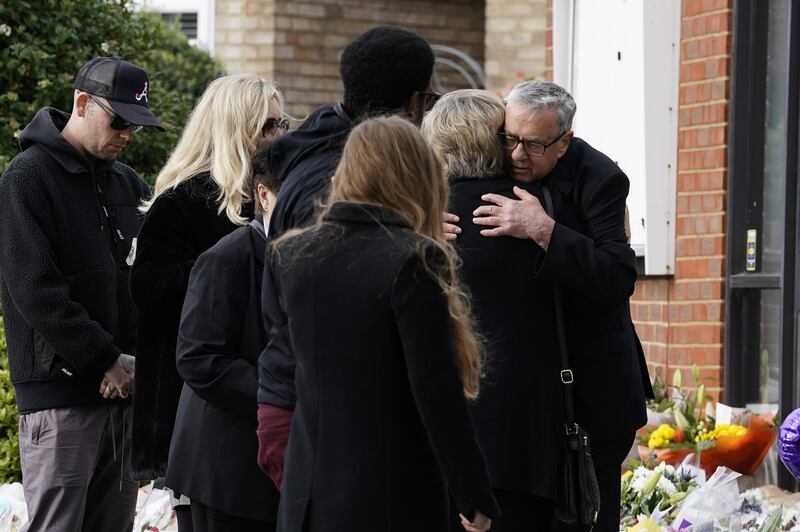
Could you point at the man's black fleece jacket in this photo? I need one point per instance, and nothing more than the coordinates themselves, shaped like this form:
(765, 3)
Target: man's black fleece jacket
(67, 224)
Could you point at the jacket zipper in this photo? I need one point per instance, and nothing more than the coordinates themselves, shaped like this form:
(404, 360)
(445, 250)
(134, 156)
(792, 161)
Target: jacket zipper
(105, 226)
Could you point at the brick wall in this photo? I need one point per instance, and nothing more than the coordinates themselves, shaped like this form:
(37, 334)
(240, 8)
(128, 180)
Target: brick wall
(515, 42)
(244, 35)
(299, 42)
(680, 319)
(311, 35)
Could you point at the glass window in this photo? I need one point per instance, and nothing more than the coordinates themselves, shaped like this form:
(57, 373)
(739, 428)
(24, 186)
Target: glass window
(777, 105)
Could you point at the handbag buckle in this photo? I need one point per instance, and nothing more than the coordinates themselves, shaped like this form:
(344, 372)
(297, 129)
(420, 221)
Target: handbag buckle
(571, 428)
(567, 377)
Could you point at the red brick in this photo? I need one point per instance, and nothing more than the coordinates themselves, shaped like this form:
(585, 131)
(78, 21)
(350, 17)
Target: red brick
(696, 333)
(702, 137)
(703, 92)
(651, 290)
(696, 290)
(695, 7)
(694, 268)
(713, 23)
(702, 356)
(700, 224)
(700, 203)
(709, 47)
(712, 113)
(701, 159)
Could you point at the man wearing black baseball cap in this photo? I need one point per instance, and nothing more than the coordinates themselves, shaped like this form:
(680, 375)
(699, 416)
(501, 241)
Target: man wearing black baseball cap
(68, 226)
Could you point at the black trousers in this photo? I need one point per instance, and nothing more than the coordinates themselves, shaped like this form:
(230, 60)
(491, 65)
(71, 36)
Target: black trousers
(608, 456)
(520, 513)
(205, 519)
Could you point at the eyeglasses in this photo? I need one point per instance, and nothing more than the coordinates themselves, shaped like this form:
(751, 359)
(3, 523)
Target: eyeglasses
(532, 148)
(431, 97)
(273, 125)
(117, 122)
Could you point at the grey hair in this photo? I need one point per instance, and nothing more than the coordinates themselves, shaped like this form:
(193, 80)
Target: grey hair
(540, 94)
(462, 129)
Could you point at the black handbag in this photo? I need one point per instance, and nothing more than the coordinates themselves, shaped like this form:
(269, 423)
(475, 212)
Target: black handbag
(578, 493)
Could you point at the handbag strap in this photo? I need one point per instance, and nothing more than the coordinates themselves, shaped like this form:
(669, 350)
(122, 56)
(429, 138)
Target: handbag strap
(566, 375)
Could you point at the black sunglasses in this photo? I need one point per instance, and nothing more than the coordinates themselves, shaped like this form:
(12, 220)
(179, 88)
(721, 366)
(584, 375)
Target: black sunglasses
(273, 125)
(117, 122)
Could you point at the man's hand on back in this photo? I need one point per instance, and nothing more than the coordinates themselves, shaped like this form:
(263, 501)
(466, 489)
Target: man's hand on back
(523, 218)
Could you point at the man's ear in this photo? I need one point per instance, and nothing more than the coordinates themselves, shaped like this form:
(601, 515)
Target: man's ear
(564, 144)
(416, 107)
(82, 103)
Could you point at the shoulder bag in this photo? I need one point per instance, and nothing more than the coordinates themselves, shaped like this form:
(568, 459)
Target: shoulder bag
(578, 493)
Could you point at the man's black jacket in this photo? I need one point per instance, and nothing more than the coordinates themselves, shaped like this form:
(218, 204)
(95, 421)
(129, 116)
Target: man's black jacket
(63, 273)
(590, 258)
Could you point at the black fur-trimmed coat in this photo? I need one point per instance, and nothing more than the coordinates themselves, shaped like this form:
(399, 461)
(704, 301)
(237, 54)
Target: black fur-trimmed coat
(180, 225)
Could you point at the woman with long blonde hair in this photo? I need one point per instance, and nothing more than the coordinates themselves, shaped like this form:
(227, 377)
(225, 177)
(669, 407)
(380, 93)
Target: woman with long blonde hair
(200, 195)
(386, 357)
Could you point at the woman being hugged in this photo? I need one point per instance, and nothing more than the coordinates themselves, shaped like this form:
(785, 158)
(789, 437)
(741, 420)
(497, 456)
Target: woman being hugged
(386, 358)
(518, 417)
(200, 195)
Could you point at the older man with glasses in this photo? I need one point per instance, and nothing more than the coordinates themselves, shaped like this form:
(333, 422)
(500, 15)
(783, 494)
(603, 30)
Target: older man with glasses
(68, 226)
(583, 249)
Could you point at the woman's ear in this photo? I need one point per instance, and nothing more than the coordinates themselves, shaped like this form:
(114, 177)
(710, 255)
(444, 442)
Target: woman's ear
(263, 196)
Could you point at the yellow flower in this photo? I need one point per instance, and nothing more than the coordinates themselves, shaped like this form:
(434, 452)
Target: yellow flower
(645, 525)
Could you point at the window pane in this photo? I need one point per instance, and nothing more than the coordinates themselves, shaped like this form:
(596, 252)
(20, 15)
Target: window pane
(775, 149)
(770, 350)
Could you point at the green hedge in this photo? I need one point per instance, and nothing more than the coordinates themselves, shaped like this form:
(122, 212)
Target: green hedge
(9, 419)
(43, 44)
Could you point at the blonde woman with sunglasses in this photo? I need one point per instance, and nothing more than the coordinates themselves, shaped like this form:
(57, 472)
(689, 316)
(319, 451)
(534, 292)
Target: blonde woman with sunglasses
(201, 195)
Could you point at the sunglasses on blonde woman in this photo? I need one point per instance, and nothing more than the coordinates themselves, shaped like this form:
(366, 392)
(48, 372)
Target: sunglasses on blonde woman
(273, 125)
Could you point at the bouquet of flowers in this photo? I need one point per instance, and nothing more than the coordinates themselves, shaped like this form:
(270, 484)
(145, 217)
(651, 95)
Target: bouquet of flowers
(652, 497)
(692, 420)
(740, 443)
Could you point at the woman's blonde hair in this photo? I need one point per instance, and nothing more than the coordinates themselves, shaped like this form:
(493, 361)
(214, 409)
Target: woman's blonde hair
(387, 162)
(220, 138)
(462, 128)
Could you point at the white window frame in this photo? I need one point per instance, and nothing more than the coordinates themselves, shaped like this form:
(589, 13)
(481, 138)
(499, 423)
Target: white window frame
(205, 17)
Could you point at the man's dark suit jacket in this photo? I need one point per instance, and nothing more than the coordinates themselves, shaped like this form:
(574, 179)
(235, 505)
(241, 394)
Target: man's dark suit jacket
(590, 258)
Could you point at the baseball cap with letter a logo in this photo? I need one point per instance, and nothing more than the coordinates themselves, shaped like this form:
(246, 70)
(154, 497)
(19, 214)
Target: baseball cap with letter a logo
(123, 84)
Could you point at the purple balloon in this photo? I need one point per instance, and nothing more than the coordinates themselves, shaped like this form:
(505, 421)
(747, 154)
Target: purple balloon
(789, 443)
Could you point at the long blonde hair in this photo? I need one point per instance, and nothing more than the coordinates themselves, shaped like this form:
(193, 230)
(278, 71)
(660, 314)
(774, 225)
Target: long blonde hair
(220, 138)
(387, 162)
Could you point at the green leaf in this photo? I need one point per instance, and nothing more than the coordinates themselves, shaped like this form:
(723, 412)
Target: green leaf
(773, 522)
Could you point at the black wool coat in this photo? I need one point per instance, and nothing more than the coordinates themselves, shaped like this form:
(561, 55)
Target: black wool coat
(381, 426)
(214, 445)
(518, 416)
(180, 225)
(590, 258)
